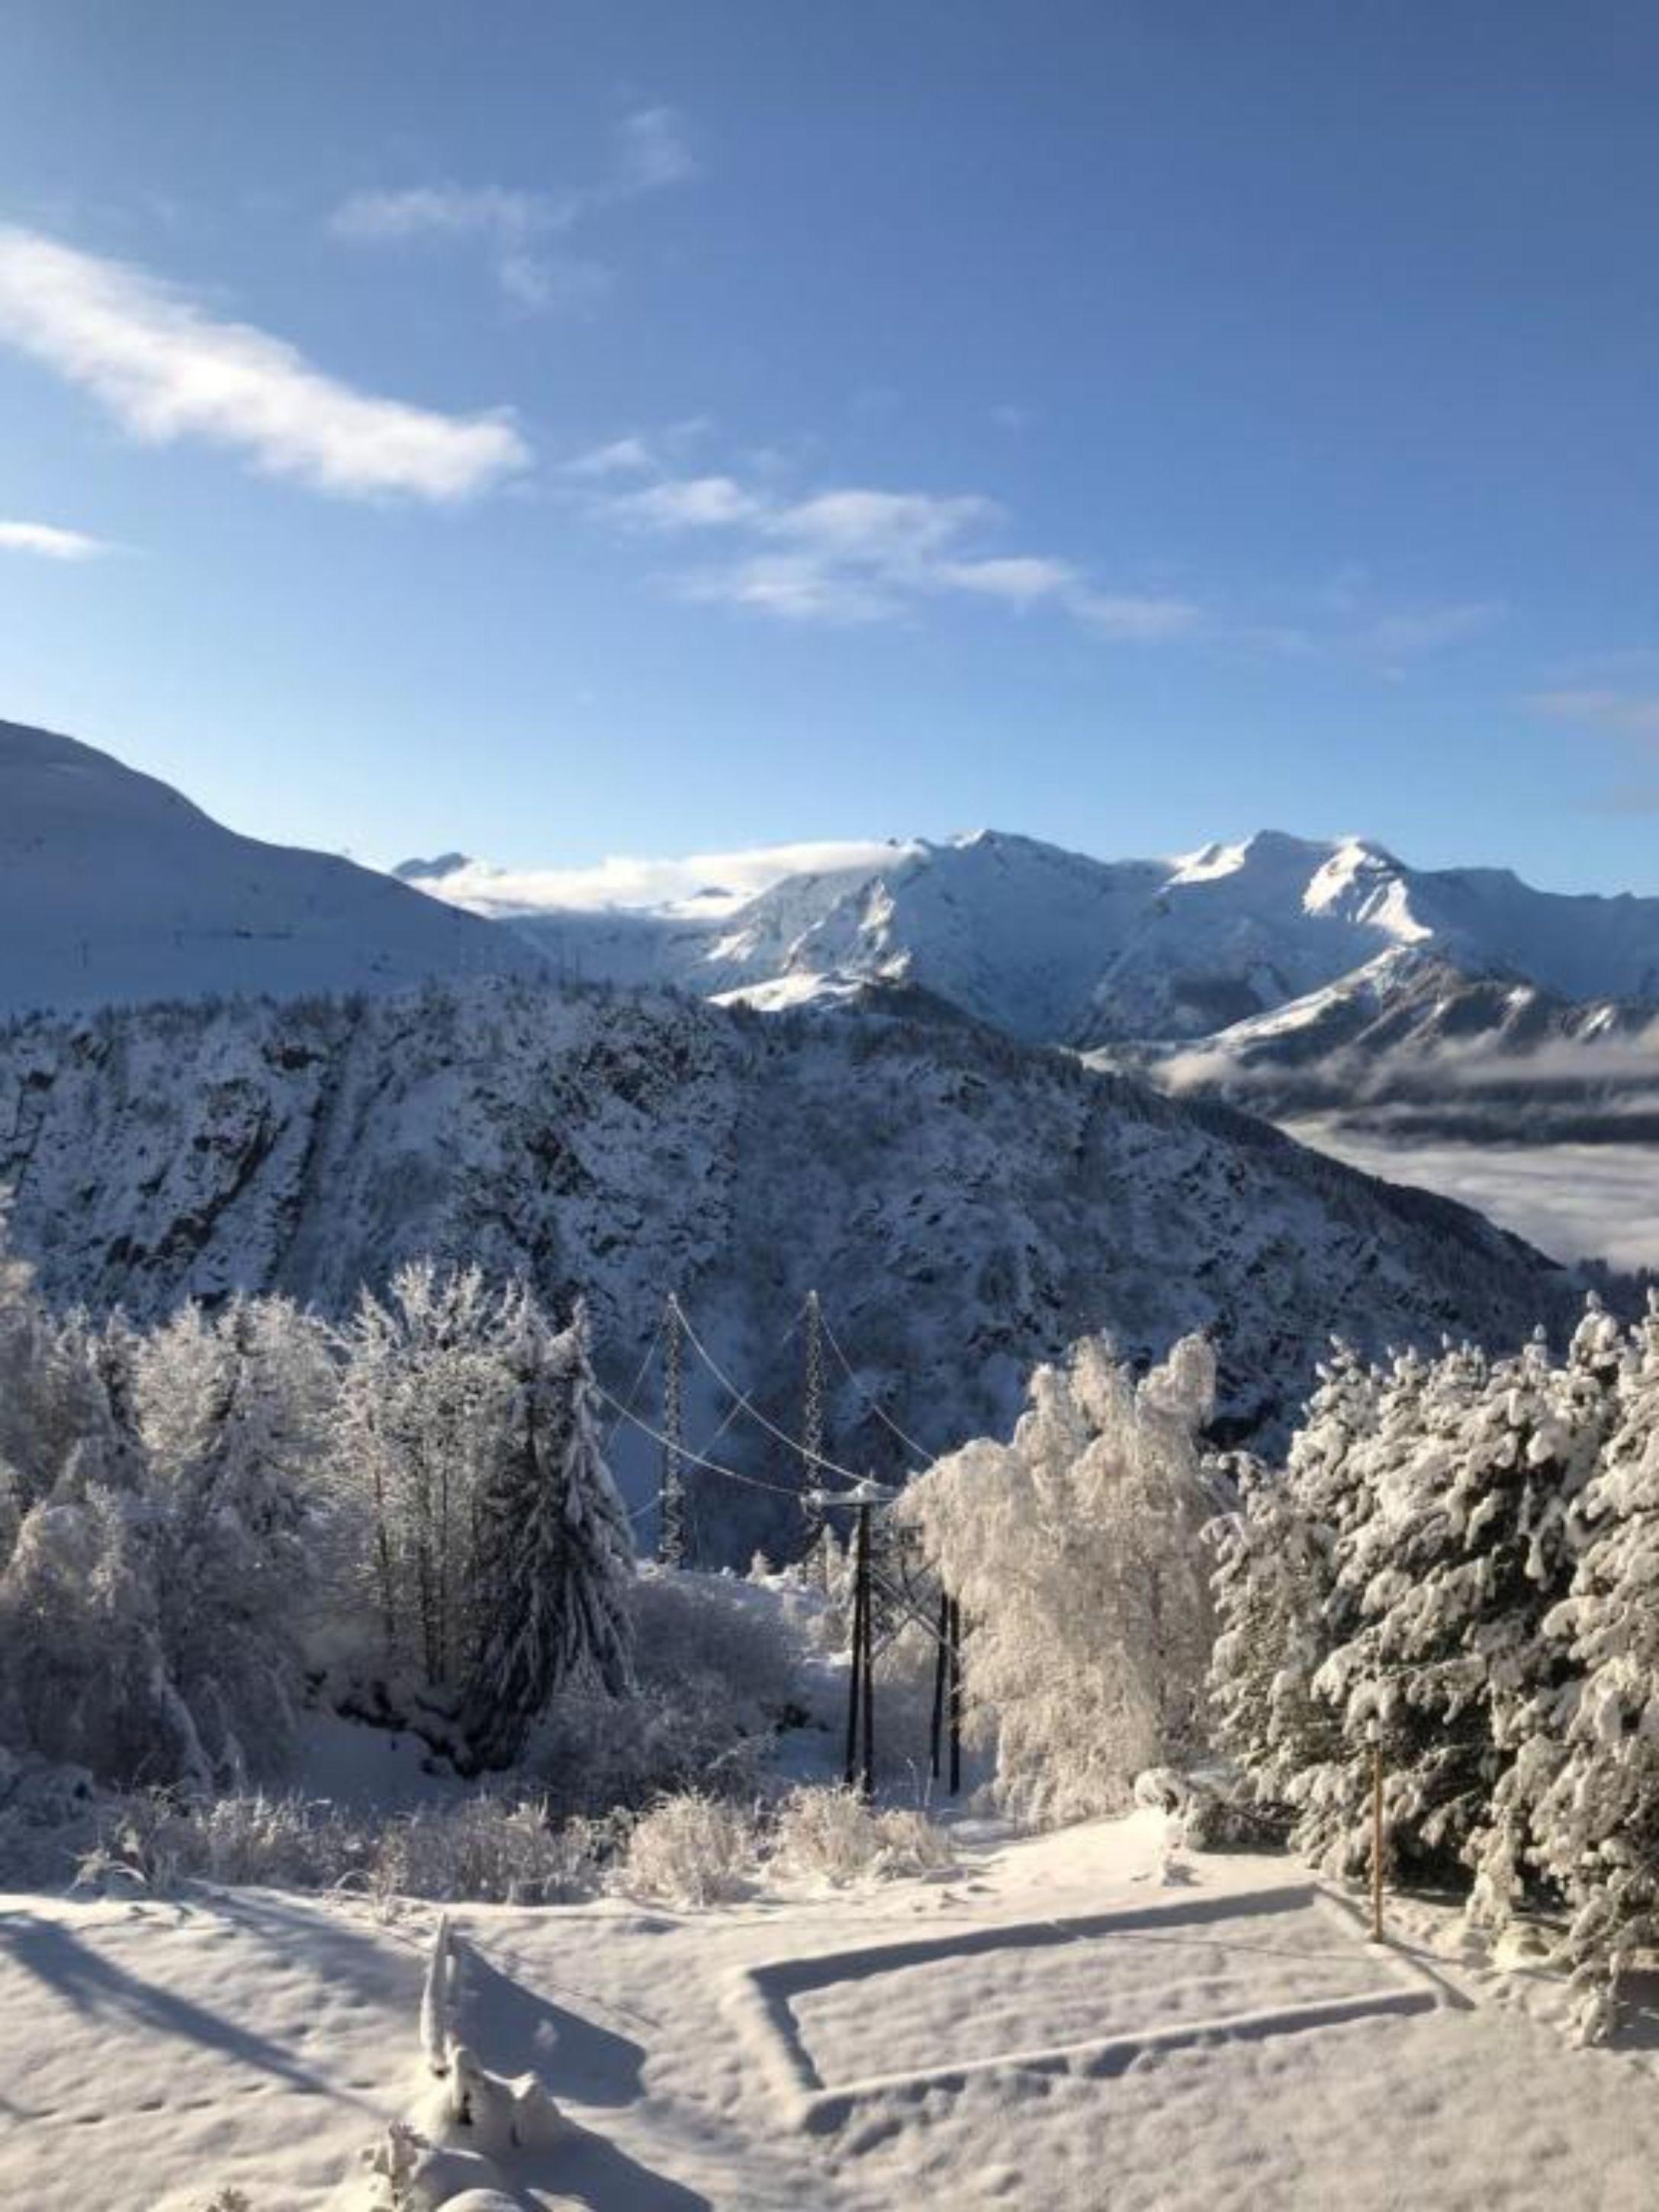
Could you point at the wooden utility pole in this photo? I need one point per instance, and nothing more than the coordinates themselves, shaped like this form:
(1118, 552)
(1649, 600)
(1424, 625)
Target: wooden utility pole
(954, 1661)
(941, 1666)
(1374, 1731)
(854, 1680)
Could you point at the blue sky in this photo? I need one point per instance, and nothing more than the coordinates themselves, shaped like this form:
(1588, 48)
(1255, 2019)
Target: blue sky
(562, 430)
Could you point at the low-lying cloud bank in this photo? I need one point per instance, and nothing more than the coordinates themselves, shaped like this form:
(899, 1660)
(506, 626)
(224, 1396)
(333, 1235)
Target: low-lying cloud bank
(1573, 1201)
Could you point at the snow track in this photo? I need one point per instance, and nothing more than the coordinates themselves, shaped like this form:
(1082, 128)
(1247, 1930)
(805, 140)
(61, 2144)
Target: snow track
(1087, 1995)
(1055, 2028)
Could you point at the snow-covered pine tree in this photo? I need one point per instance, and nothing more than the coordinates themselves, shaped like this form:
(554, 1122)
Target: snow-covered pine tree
(1596, 1828)
(555, 1551)
(1560, 1420)
(1383, 1617)
(1451, 1577)
(1274, 1586)
(1271, 1582)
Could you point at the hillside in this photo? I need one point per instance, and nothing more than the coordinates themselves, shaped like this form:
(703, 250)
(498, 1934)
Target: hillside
(114, 889)
(965, 1205)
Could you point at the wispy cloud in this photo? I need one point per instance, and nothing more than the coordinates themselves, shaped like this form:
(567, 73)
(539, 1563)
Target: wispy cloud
(519, 231)
(46, 540)
(1621, 714)
(623, 456)
(858, 554)
(1425, 629)
(165, 369)
(710, 883)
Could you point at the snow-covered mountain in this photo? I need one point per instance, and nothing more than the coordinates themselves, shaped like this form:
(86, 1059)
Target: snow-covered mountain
(115, 890)
(1051, 946)
(964, 1205)
(1287, 975)
(1410, 1045)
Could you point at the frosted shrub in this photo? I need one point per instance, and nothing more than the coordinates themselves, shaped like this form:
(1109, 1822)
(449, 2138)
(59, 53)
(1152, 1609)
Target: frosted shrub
(690, 1851)
(482, 1849)
(833, 1836)
(716, 1673)
(487, 1849)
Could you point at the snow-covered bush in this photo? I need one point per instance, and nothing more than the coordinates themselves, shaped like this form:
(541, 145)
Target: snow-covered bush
(1077, 1554)
(717, 1670)
(489, 1849)
(831, 1835)
(689, 1851)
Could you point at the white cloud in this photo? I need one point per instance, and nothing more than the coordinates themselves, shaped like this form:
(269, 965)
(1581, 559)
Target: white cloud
(715, 882)
(1021, 579)
(649, 152)
(623, 456)
(857, 554)
(166, 370)
(688, 503)
(48, 541)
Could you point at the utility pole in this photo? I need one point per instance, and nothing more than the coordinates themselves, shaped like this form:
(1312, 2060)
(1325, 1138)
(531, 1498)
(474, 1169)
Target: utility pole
(1374, 1736)
(859, 1766)
(670, 1492)
(941, 1664)
(953, 1640)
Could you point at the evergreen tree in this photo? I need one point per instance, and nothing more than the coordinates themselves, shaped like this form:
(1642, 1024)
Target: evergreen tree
(555, 1556)
(1596, 1826)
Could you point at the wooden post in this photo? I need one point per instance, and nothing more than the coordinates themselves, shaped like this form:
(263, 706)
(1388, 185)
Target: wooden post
(1375, 1732)
(937, 1736)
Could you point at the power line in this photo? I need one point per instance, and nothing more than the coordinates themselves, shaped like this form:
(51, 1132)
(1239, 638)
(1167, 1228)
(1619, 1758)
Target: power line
(886, 1420)
(747, 1405)
(694, 1459)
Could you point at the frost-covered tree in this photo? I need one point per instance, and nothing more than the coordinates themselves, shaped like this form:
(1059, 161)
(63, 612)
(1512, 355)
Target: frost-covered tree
(426, 1385)
(1276, 1588)
(1076, 1552)
(1447, 1583)
(1595, 1826)
(234, 1413)
(554, 1554)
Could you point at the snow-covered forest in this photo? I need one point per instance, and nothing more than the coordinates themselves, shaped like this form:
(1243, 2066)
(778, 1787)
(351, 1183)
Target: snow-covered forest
(1458, 1567)
(240, 1540)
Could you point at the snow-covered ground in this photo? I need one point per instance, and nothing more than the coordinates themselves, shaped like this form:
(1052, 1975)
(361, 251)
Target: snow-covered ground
(1065, 2021)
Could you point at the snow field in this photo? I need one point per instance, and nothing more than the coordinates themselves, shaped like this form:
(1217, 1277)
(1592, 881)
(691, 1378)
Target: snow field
(1228, 2041)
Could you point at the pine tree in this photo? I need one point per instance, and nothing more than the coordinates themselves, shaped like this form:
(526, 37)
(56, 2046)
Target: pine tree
(555, 1552)
(1596, 1826)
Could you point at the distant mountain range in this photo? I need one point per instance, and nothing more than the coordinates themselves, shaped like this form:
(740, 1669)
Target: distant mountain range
(1291, 975)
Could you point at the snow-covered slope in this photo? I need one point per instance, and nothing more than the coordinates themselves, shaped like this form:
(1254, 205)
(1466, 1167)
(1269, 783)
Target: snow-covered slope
(114, 889)
(1071, 2021)
(965, 1205)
